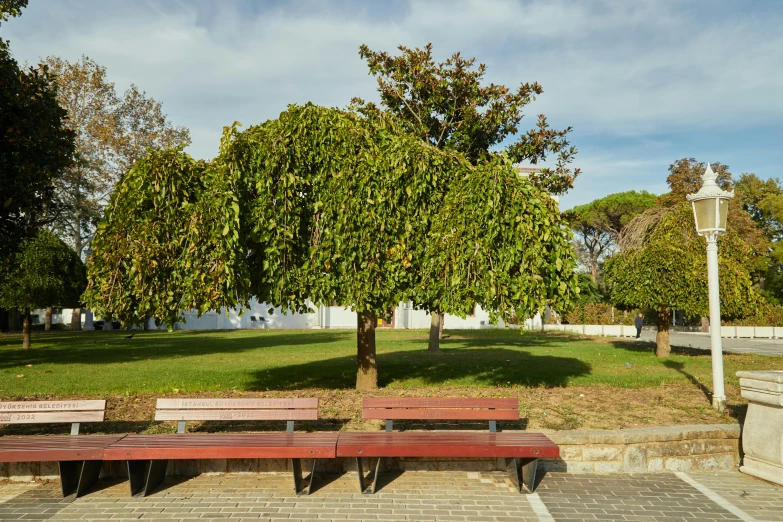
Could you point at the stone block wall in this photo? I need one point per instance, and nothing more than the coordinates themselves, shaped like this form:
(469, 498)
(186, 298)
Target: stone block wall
(647, 450)
(637, 450)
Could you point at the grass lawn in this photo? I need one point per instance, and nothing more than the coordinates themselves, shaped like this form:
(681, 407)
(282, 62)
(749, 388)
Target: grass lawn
(562, 381)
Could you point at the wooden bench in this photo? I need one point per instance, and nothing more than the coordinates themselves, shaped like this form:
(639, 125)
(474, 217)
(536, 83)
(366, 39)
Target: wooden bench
(521, 451)
(79, 457)
(147, 456)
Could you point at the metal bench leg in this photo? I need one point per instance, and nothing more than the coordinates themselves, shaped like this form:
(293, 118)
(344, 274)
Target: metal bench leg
(145, 475)
(375, 476)
(90, 472)
(529, 467)
(522, 473)
(78, 476)
(360, 471)
(299, 481)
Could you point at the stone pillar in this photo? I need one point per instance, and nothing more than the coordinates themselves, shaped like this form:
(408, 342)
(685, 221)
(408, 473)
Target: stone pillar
(762, 434)
(88, 320)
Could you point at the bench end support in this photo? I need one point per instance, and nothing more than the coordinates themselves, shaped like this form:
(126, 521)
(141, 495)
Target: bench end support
(371, 488)
(145, 475)
(78, 476)
(522, 473)
(302, 486)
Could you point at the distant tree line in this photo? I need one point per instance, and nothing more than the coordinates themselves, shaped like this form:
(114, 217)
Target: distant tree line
(66, 138)
(641, 252)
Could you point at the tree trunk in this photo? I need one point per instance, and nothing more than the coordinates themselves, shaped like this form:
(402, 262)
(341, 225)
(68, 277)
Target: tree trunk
(48, 319)
(436, 321)
(146, 325)
(13, 320)
(26, 330)
(705, 325)
(76, 319)
(594, 270)
(77, 233)
(662, 346)
(367, 368)
(440, 328)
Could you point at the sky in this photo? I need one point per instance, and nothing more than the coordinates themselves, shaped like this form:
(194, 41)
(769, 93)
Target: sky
(643, 82)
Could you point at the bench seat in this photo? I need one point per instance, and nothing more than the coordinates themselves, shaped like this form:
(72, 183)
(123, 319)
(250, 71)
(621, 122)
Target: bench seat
(224, 446)
(42, 448)
(446, 444)
(147, 455)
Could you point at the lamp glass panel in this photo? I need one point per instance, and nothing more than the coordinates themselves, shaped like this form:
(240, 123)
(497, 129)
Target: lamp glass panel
(704, 210)
(723, 213)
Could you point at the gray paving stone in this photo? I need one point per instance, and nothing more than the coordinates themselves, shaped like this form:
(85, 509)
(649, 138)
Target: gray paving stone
(424, 496)
(759, 499)
(647, 497)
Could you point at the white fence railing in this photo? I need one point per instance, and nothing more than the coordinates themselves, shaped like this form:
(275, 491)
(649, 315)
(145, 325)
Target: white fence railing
(616, 330)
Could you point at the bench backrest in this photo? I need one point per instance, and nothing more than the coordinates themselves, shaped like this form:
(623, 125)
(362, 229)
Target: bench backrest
(36, 412)
(491, 410)
(183, 410)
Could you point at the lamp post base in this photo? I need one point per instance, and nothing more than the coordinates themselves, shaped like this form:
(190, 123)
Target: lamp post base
(719, 403)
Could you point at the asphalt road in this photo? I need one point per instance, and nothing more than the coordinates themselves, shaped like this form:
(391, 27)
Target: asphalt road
(702, 341)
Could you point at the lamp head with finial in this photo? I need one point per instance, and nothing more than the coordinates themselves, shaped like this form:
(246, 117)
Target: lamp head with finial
(710, 204)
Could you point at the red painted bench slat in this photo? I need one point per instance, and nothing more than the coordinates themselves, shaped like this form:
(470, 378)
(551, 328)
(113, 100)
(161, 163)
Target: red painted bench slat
(450, 414)
(441, 408)
(446, 444)
(224, 446)
(442, 402)
(42, 448)
(147, 455)
(521, 451)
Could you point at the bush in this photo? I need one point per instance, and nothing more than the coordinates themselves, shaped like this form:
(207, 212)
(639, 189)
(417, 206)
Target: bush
(766, 315)
(599, 313)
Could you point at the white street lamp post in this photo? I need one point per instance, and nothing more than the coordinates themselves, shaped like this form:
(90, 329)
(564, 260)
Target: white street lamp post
(710, 209)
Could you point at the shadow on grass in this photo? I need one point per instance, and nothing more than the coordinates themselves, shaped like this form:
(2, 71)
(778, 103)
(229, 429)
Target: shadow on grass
(680, 367)
(649, 347)
(113, 347)
(485, 367)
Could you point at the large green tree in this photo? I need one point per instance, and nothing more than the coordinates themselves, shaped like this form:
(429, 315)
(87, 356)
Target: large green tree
(324, 205)
(112, 133)
(448, 105)
(663, 267)
(44, 272)
(763, 201)
(167, 243)
(35, 149)
(598, 224)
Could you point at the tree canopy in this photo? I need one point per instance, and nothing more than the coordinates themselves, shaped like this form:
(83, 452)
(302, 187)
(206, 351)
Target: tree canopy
(446, 105)
(449, 106)
(599, 223)
(11, 8)
(112, 133)
(762, 200)
(325, 205)
(35, 149)
(665, 268)
(44, 272)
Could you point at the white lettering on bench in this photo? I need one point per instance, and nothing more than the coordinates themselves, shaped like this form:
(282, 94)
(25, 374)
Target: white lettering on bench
(236, 403)
(51, 406)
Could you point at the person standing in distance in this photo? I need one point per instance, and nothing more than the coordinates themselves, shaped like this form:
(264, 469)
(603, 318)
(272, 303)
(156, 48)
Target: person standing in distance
(639, 322)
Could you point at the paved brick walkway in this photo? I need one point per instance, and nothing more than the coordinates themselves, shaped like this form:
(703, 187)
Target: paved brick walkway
(426, 496)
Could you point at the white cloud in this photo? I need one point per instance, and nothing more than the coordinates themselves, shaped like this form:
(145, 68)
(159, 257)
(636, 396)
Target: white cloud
(625, 68)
